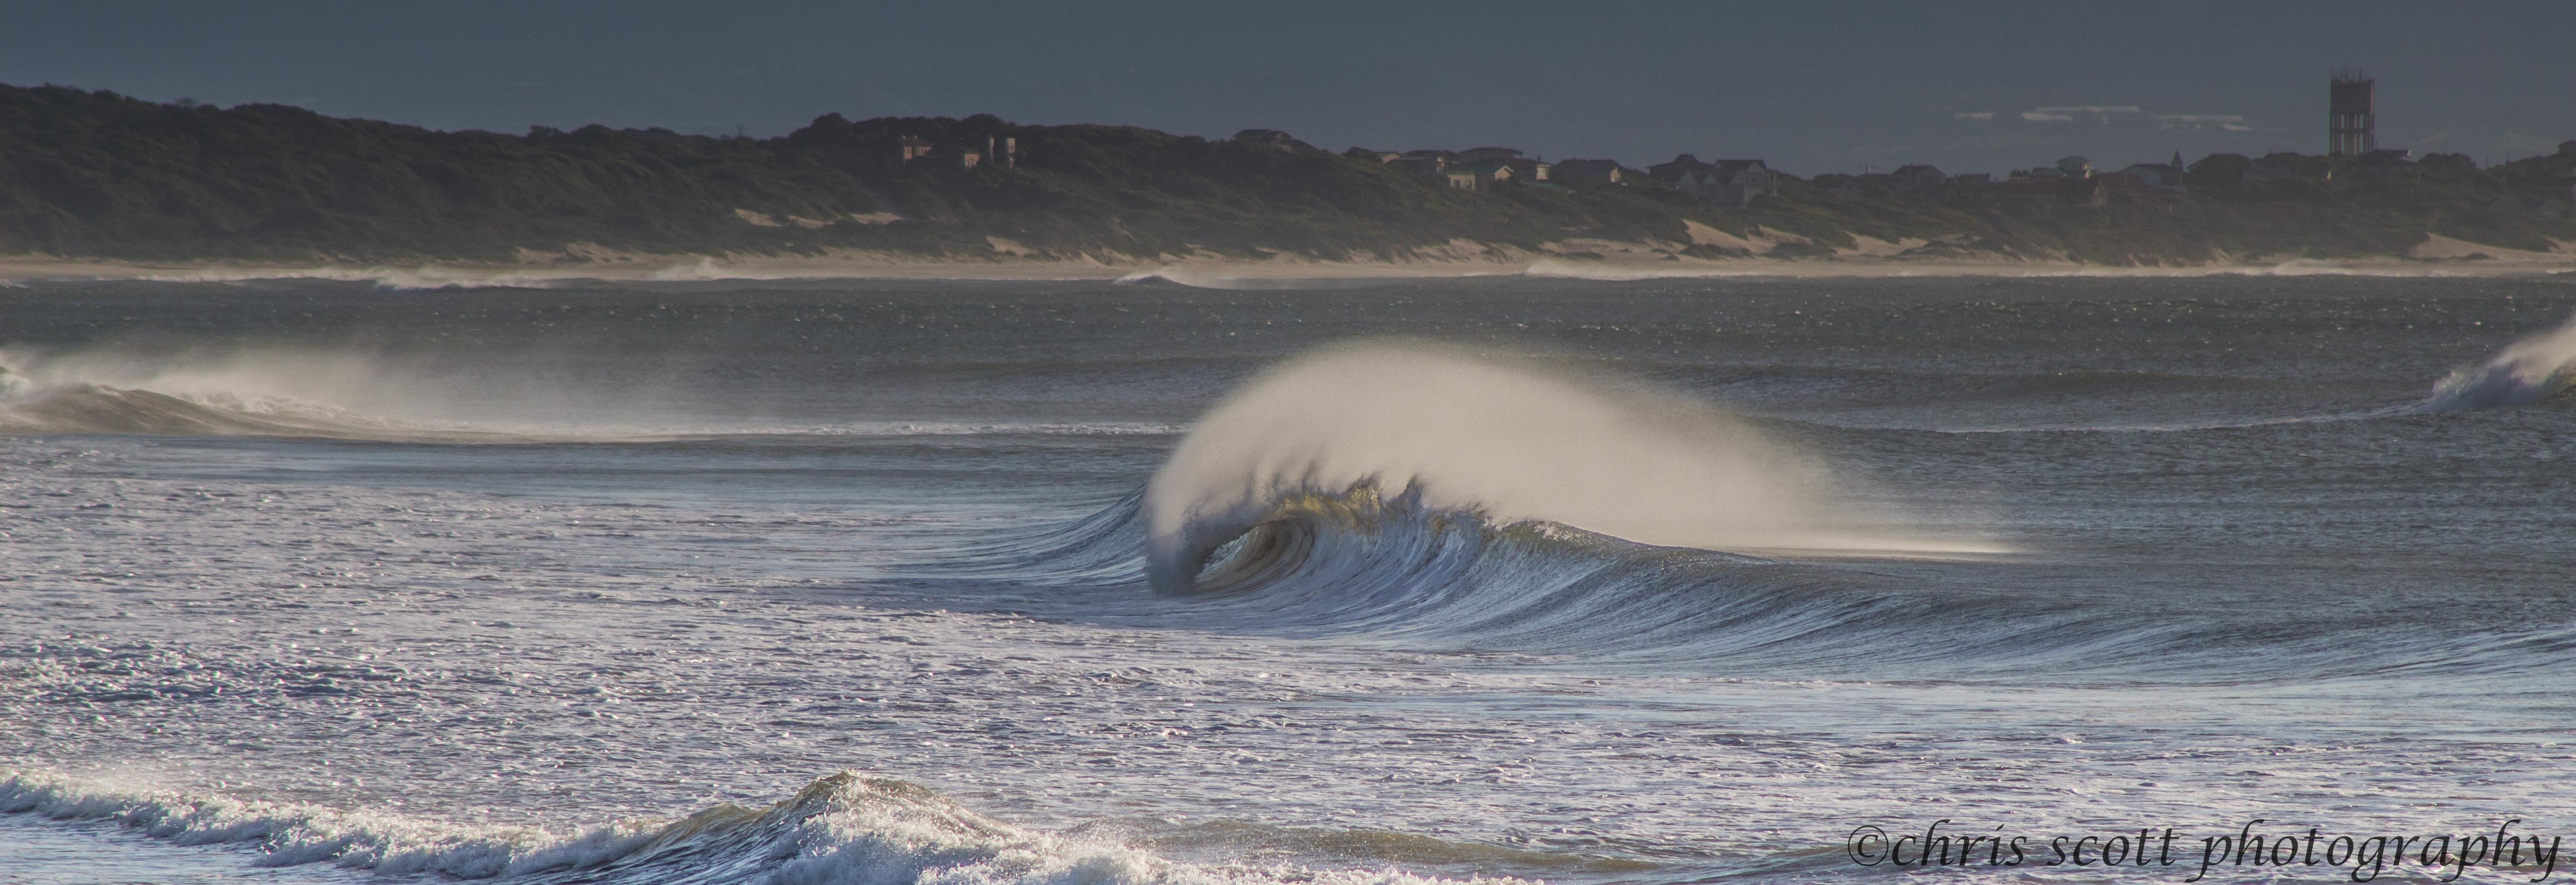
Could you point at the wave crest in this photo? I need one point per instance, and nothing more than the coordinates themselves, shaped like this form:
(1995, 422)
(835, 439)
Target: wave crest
(1507, 442)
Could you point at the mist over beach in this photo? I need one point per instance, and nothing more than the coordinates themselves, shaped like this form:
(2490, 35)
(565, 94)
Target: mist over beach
(897, 447)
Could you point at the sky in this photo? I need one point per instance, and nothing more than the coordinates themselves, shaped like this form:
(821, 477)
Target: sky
(1812, 87)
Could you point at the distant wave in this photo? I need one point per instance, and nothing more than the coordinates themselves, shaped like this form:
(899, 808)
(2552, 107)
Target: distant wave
(1581, 270)
(845, 828)
(97, 409)
(91, 408)
(1283, 277)
(344, 394)
(428, 276)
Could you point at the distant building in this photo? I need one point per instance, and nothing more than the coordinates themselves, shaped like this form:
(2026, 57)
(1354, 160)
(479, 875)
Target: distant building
(1915, 178)
(1485, 154)
(1462, 179)
(1422, 164)
(2351, 128)
(2075, 167)
(1361, 153)
(1527, 169)
(1722, 183)
(2125, 189)
(2165, 176)
(999, 150)
(1586, 172)
(1491, 174)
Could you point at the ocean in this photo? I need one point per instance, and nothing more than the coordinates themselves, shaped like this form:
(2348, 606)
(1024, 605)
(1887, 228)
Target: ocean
(1244, 581)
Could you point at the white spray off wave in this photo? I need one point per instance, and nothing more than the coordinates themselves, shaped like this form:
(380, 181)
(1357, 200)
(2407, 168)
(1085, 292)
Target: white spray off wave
(1511, 442)
(2523, 373)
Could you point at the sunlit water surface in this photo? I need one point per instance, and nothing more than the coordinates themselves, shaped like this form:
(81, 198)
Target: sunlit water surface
(314, 582)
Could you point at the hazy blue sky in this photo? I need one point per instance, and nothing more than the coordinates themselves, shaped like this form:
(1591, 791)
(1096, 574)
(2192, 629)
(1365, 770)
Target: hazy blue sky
(1812, 86)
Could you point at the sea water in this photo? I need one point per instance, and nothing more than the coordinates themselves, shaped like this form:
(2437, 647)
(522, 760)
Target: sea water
(1660, 580)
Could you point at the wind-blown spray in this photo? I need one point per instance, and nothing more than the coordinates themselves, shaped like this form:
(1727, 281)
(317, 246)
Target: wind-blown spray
(2523, 373)
(1510, 442)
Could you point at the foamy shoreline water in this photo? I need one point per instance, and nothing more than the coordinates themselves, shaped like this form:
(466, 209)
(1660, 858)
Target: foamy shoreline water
(1221, 274)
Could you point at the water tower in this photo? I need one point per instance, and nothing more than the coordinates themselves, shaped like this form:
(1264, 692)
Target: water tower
(2351, 129)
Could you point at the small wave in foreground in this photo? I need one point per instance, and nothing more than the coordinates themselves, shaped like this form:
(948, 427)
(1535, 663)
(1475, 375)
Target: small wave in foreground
(845, 828)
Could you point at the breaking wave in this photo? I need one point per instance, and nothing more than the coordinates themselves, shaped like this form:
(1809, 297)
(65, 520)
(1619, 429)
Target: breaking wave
(2524, 372)
(845, 828)
(1373, 565)
(1434, 499)
(1506, 442)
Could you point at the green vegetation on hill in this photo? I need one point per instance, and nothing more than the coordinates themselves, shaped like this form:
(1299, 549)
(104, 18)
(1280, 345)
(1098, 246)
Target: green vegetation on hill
(93, 174)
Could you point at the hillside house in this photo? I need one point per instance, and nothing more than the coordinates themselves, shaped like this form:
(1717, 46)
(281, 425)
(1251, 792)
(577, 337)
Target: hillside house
(1722, 183)
(1423, 164)
(1527, 170)
(1492, 174)
(1915, 178)
(2166, 176)
(1586, 172)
